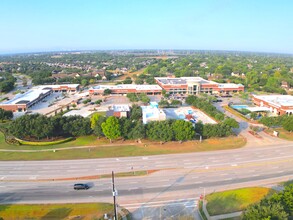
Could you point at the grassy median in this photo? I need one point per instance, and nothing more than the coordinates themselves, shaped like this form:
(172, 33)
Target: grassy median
(125, 150)
(83, 211)
(235, 200)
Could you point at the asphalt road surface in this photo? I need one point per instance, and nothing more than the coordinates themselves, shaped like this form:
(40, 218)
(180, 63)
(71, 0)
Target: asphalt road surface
(179, 180)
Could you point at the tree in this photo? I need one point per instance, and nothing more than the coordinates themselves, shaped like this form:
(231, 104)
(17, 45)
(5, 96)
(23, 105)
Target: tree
(125, 125)
(95, 117)
(127, 80)
(84, 82)
(183, 130)
(92, 81)
(138, 131)
(160, 130)
(98, 128)
(231, 122)
(139, 81)
(265, 212)
(135, 112)
(5, 115)
(288, 124)
(144, 98)
(76, 126)
(24, 81)
(165, 94)
(111, 128)
(107, 92)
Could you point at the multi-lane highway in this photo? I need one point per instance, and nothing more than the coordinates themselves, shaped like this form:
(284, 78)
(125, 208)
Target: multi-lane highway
(178, 176)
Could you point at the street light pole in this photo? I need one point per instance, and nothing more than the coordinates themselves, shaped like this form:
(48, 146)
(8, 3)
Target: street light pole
(114, 196)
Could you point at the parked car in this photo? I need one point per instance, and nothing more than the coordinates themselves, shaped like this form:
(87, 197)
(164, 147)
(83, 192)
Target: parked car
(79, 186)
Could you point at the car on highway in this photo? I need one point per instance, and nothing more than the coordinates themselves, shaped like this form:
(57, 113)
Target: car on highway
(79, 186)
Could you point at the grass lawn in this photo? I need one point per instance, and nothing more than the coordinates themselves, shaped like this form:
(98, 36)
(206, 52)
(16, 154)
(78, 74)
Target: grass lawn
(85, 211)
(3, 143)
(147, 148)
(234, 200)
(282, 133)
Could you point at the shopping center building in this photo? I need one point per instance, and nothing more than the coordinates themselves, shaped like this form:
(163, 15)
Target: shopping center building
(278, 104)
(196, 85)
(126, 88)
(23, 101)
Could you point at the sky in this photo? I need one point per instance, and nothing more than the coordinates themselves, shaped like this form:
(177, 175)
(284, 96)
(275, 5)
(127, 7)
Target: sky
(237, 25)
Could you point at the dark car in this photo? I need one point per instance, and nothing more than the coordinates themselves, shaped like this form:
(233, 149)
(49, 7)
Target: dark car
(79, 186)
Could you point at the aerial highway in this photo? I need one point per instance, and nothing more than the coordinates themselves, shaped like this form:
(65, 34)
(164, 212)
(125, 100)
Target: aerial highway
(176, 176)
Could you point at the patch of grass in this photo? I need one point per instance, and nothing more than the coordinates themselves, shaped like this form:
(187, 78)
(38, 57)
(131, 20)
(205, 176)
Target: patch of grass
(234, 200)
(126, 174)
(282, 133)
(3, 143)
(83, 211)
(148, 148)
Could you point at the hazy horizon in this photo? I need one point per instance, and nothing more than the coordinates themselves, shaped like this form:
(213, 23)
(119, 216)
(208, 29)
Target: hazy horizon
(48, 26)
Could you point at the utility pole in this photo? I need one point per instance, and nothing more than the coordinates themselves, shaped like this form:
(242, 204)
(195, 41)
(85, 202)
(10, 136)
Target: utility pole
(114, 196)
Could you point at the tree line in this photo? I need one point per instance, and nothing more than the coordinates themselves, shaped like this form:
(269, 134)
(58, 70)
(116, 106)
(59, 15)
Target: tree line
(279, 206)
(206, 106)
(6, 82)
(5, 115)
(38, 127)
(284, 121)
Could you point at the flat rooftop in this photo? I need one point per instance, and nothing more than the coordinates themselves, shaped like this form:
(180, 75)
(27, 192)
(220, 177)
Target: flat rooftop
(127, 86)
(279, 100)
(229, 85)
(73, 86)
(29, 96)
(183, 80)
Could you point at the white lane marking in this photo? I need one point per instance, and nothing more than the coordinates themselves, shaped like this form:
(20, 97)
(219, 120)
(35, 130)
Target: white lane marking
(163, 202)
(234, 165)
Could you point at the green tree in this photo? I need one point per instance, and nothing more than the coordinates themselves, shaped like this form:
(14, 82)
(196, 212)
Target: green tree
(265, 212)
(111, 128)
(135, 112)
(160, 130)
(92, 81)
(231, 122)
(84, 82)
(288, 123)
(107, 92)
(98, 131)
(138, 131)
(183, 130)
(95, 117)
(5, 115)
